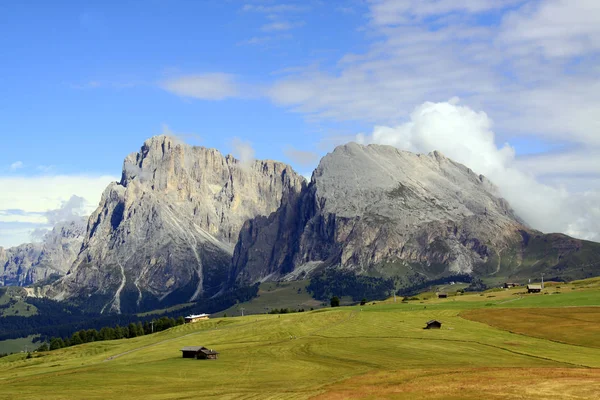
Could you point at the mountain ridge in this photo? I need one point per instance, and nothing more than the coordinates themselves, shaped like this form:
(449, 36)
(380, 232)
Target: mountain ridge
(30, 263)
(379, 210)
(187, 223)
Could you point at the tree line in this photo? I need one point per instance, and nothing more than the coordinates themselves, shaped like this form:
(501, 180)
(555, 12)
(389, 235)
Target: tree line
(134, 329)
(62, 320)
(331, 282)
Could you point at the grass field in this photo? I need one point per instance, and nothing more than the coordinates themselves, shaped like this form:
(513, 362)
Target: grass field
(573, 325)
(375, 351)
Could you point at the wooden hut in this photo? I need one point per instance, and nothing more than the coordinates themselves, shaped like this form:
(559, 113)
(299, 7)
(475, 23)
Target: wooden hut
(195, 318)
(508, 285)
(534, 288)
(199, 353)
(433, 324)
(442, 295)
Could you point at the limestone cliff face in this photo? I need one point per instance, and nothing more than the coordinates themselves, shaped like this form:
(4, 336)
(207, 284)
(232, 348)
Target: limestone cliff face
(377, 209)
(32, 262)
(167, 230)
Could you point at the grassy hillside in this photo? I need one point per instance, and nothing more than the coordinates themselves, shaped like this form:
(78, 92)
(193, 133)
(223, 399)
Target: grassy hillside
(271, 295)
(556, 255)
(18, 345)
(13, 301)
(374, 351)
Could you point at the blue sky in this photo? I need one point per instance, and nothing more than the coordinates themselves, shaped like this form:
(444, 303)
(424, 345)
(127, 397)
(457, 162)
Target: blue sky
(87, 76)
(82, 84)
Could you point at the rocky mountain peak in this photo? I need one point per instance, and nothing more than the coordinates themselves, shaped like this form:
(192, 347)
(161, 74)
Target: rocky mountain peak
(375, 205)
(168, 228)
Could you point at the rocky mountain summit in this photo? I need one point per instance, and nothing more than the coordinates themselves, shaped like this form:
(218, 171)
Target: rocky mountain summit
(167, 230)
(32, 262)
(187, 224)
(381, 211)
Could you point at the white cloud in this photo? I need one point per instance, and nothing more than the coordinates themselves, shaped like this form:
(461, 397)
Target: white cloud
(391, 12)
(70, 210)
(243, 151)
(212, 86)
(14, 234)
(39, 201)
(535, 71)
(274, 9)
(16, 216)
(255, 40)
(409, 67)
(557, 28)
(16, 165)
(279, 26)
(45, 169)
(181, 137)
(571, 163)
(465, 136)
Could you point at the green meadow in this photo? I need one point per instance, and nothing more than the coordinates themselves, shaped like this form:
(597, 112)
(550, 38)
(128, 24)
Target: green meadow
(18, 345)
(370, 352)
(13, 302)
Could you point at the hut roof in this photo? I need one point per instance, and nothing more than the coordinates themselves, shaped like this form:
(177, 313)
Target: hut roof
(433, 321)
(534, 287)
(193, 348)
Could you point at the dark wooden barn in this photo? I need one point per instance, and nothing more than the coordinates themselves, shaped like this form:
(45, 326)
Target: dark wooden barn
(199, 353)
(433, 324)
(442, 295)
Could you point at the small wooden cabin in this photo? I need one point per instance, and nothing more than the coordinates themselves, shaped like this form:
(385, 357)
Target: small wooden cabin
(534, 288)
(508, 285)
(433, 324)
(195, 318)
(442, 295)
(199, 353)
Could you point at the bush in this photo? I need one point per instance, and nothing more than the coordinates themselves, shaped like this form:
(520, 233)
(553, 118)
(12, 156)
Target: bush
(335, 301)
(43, 347)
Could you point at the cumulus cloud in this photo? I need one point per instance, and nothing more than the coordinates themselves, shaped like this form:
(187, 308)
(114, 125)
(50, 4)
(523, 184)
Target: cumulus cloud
(212, 86)
(466, 136)
(38, 234)
(37, 202)
(70, 210)
(243, 151)
(535, 71)
(15, 166)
